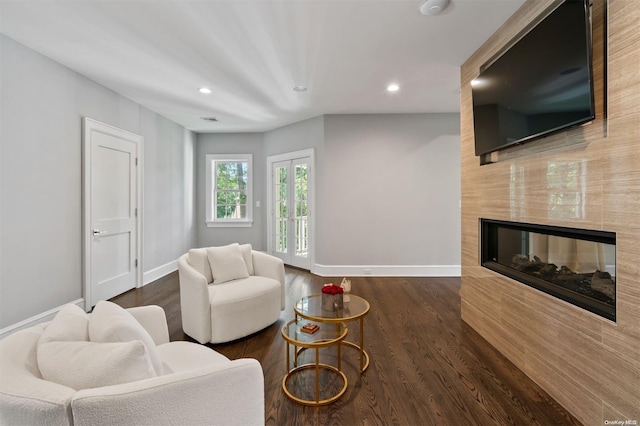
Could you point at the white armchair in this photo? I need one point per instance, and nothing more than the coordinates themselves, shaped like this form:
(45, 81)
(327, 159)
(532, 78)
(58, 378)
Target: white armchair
(221, 301)
(198, 386)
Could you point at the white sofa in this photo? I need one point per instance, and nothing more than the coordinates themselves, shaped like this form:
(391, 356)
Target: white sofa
(197, 385)
(225, 302)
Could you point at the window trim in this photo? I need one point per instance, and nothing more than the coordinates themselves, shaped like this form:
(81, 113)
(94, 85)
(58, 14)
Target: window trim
(210, 219)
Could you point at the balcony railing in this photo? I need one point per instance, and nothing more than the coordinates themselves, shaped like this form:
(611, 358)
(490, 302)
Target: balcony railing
(300, 236)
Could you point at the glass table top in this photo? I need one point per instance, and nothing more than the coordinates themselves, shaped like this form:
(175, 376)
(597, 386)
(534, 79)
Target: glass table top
(311, 307)
(327, 334)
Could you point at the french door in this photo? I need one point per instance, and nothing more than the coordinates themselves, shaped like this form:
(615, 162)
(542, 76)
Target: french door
(290, 230)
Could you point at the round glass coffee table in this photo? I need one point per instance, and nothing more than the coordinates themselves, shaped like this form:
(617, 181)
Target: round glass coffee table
(326, 335)
(355, 308)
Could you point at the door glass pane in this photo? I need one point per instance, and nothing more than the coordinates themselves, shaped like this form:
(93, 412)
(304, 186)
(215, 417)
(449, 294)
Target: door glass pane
(301, 230)
(281, 209)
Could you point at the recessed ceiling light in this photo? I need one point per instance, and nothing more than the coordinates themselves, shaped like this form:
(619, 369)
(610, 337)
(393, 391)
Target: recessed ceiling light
(393, 87)
(204, 90)
(300, 89)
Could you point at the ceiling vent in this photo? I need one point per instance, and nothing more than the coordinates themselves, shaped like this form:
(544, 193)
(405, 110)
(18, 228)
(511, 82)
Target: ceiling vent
(211, 119)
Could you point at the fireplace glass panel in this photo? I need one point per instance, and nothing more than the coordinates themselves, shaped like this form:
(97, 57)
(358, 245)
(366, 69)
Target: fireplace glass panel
(575, 265)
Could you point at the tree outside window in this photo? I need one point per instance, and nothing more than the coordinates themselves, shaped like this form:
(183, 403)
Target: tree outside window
(229, 190)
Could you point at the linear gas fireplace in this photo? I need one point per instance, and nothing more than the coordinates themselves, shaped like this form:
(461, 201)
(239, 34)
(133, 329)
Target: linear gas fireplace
(575, 265)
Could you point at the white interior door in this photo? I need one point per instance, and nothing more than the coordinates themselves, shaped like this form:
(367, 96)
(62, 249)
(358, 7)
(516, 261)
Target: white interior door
(291, 211)
(111, 208)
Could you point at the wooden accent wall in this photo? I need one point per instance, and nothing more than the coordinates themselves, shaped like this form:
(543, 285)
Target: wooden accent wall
(588, 364)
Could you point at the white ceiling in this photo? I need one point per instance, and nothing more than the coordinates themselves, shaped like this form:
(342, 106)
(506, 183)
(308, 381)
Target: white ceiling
(251, 53)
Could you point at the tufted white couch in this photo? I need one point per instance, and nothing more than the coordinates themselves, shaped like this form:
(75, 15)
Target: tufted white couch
(197, 385)
(229, 292)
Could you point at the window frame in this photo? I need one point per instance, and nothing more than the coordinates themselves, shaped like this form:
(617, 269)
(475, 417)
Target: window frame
(211, 186)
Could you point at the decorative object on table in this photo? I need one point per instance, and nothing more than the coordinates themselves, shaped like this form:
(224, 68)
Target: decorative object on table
(310, 308)
(332, 297)
(346, 286)
(310, 328)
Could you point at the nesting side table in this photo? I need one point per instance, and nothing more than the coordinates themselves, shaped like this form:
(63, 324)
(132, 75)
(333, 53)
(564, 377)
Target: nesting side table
(355, 309)
(328, 334)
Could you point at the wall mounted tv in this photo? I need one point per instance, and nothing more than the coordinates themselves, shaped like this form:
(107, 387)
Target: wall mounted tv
(541, 84)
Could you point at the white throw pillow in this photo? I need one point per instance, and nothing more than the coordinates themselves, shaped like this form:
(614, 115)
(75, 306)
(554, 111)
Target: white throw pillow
(70, 324)
(84, 365)
(111, 323)
(227, 263)
(198, 259)
(248, 257)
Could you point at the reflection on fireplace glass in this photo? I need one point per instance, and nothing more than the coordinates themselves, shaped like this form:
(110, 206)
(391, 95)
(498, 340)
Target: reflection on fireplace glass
(582, 266)
(575, 265)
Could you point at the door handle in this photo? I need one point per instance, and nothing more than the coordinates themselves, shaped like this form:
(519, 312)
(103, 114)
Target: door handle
(97, 232)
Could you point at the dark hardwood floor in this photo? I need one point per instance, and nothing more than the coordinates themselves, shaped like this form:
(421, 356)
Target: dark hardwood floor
(427, 366)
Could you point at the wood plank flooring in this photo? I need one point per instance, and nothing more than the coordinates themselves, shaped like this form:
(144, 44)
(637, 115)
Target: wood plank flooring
(427, 366)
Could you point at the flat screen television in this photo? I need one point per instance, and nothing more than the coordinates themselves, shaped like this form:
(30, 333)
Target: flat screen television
(543, 83)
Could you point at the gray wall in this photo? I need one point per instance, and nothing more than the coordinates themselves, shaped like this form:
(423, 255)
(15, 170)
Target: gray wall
(387, 186)
(392, 190)
(295, 137)
(169, 188)
(231, 143)
(42, 104)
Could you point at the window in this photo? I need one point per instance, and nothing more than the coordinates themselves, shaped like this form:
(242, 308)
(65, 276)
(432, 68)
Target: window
(229, 190)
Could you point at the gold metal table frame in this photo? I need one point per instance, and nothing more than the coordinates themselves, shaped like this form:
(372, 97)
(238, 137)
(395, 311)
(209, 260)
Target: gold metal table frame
(328, 335)
(355, 309)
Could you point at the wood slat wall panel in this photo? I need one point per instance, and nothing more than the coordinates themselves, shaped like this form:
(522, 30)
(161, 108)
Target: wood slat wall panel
(545, 305)
(517, 322)
(558, 385)
(589, 364)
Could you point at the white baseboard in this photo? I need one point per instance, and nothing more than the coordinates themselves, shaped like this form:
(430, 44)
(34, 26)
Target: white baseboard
(37, 319)
(159, 272)
(386, 270)
(147, 277)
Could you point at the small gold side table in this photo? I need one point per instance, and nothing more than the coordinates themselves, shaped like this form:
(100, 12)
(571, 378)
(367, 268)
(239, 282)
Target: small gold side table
(327, 335)
(355, 309)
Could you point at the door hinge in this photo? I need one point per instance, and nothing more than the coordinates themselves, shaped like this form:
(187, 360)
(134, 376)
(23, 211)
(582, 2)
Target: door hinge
(136, 161)
(136, 263)
(135, 212)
